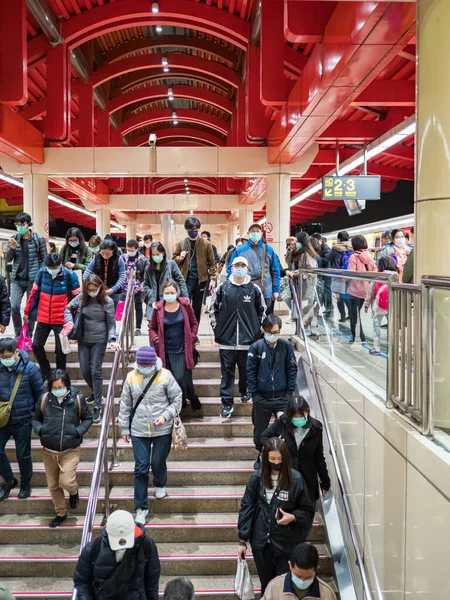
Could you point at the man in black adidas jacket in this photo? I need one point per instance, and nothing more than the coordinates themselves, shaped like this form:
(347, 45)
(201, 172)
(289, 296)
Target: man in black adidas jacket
(236, 317)
(271, 376)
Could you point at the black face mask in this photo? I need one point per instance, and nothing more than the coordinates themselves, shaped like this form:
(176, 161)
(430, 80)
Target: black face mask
(275, 467)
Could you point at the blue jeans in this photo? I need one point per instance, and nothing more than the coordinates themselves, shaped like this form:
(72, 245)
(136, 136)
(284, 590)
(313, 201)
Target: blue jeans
(18, 289)
(22, 438)
(142, 448)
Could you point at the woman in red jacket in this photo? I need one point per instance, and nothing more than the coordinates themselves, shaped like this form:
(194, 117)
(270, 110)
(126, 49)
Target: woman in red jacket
(173, 334)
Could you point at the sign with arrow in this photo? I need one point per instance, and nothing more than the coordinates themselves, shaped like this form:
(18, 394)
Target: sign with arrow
(360, 187)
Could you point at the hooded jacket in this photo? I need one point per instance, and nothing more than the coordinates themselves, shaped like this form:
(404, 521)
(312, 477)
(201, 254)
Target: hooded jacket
(253, 253)
(37, 251)
(237, 313)
(334, 258)
(308, 459)
(50, 295)
(163, 399)
(281, 588)
(99, 320)
(271, 371)
(98, 575)
(30, 389)
(156, 331)
(61, 427)
(360, 261)
(206, 262)
(257, 523)
(168, 270)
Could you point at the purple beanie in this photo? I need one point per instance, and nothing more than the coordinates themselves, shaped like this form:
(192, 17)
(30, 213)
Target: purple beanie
(146, 356)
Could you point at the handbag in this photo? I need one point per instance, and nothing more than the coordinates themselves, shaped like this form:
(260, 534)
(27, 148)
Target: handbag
(141, 397)
(179, 435)
(119, 310)
(6, 407)
(24, 342)
(243, 585)
(77, 331)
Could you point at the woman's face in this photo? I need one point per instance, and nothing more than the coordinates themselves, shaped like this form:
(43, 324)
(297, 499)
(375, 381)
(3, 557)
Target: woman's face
(74, 239)
(58, 385)
(170, 290)
(156, 253)
(275, 457)
(399, 235)
(300, 415)
(106, 253)
(92, 288)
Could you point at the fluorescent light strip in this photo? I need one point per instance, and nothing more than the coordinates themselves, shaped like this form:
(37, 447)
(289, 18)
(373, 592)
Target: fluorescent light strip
(11, 180)
(395, 222)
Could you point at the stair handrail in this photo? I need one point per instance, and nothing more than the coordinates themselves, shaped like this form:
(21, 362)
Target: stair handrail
(339, 478)
(126, 331)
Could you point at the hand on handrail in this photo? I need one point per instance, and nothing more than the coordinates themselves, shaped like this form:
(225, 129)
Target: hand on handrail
(115, 346)
(126, 439)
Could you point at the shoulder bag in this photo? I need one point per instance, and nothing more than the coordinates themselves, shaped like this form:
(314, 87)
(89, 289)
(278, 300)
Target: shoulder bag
(6, 407)
(141, 397)
(179, 435)
(260, 281)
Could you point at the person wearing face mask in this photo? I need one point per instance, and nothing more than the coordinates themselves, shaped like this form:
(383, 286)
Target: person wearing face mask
(398, 250)
(271, 376)
(300, 582)
(151, 399)
(53, 289)
(75, 254)
(195, 257)
(61, 419)
(98, 330)
(109, 265)
(173, 333)
(263, 265)
(159, 270)
(276, 513)
(94, 244)
(303, 436)
(135, 261)
(19, 373)
(145, 249)
(28, 251)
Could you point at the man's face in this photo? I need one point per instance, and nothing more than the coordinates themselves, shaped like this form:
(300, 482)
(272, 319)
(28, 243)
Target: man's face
(275, 330)
(204, 236)
(303, 574)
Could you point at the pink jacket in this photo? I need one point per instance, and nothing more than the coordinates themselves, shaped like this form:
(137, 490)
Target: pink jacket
(361, 261)
(156, 331)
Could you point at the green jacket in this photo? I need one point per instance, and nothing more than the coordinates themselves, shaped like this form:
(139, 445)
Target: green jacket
(408, 269)
(66, 253)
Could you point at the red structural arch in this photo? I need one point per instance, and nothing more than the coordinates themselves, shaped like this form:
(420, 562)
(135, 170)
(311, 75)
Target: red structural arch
(153, 61)
(185, 115)
(171, 133)
(179, 91)
(142, 77)
(167, 188)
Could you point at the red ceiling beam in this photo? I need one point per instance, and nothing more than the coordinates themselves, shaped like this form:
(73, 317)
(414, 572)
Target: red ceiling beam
(183, 115)
(388, 93)
(390, 172)
(19, 139)
(155, 76)
(13, 53)
(305, 24)
(179, 132)
(273, 90)
(360, 39)
(401, 151)
(57, 121)
(257, 125)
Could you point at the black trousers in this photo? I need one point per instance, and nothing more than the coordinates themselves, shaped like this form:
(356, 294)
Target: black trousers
(228, 361)
(269, 566)
(270, 305)
(195, 293)
(41, 334)
(341, 307)
(176, 363)
(262, 411)
(327, 298)
(354, 306)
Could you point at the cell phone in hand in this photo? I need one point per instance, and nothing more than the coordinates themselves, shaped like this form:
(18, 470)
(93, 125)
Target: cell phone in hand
(278, 514)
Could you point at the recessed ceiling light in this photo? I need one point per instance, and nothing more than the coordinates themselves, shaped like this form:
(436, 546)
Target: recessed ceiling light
(155, 7)
(158, 29)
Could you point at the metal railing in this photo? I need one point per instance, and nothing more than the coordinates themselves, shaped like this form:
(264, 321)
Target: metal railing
(339, 477)
(125, 340)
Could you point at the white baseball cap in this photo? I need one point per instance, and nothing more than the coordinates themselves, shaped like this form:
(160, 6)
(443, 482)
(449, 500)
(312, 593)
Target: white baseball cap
(120, 529)
(240, 259)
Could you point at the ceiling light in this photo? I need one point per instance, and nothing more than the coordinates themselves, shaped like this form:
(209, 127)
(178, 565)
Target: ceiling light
(155, 7)
(188, 192)
(185, 180)
(174, 114)
(158, 29)
(192, 212)
(166, 69)
(164, 61)
(175, 122)
(11, 180)
(170, 92)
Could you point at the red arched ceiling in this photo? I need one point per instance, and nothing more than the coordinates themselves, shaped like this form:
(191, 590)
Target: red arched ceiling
(194, 135)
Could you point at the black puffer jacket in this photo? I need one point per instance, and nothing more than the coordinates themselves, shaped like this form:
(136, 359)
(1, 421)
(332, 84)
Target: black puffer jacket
(62, 426)
(257, 523)
(5, 304)
(271, 372)
(308, 458)
(99, 576)
(237, 314)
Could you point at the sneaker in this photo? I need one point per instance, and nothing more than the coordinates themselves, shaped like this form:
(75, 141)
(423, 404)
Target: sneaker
(374, 352)
(197, 343)
(141, 515)
(137, 332)
(74, 500)
(246, 398)
(96, 414)
(342, 320)
(160, 493)
(25, 492)
(363, 339)
(351, 340)
(227, 411)
(6, 488)
(56, 522)
(91, 399)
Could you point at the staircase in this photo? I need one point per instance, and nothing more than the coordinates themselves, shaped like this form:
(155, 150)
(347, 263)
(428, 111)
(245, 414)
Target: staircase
(194, 526)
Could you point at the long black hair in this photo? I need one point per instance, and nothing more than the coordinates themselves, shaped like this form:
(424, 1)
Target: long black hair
(295, 404)
(285, 478)
(151, 263)
(75, 232)
(57, 374)
(109, 244)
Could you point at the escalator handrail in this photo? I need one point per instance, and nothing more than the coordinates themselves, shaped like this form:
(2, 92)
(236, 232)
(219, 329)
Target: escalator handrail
(374, 276)
(108, 418)
(339, 478)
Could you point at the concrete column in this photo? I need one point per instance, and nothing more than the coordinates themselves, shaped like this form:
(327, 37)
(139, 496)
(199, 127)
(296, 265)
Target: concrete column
(232, 233)
(166, 233)
(35, 202)
(223, 241)
(278, 196)
(432, 202)
(131, 230)
(245, 220)
(103, 221)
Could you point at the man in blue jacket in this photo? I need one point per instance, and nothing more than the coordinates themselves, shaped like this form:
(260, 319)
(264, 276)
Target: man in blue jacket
(265, 273)
(15, 363)
(271, 376)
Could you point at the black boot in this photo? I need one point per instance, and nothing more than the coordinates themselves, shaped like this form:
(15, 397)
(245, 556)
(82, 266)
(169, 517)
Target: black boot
(6, 488)
(73, 500)
(25, 492)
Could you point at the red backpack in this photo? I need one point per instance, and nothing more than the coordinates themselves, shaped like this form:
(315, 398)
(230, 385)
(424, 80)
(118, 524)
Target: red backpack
(382, 295)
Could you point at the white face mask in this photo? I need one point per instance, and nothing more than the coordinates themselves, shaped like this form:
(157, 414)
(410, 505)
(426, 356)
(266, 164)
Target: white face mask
(131, 254)
(400, 242)
(94, 294)
(301, 584)
(147, 244)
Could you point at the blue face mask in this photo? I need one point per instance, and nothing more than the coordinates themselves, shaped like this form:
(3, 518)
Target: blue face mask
(193, 234)
(59, 393)
(74, 244)
(95, 250)
(53, 272)
(158, 258)
(8, 362)
(240, 272)
(299, 246)
(169, 298)
(255, 236)
(301, 584)
(299, 421)
(145, 370)
(22, 229)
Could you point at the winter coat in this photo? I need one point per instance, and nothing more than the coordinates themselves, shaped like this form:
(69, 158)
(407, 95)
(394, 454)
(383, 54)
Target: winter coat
(169, 270)
(37, 251)
(51, 295)
(162, 399)
(99, 320)
(399, 256)
(334, 258)
(257, 523)
(30, 389)
(271, 372)
(253, 253)
(237, 313)
(61, 427)
(308, 459)
(98, 575)
(372, 296)
(206, 262)
(79, 264)
(360, 261)
(137, 264)
(115, 267)
(5, 304)
(281, 588)
(156, 331)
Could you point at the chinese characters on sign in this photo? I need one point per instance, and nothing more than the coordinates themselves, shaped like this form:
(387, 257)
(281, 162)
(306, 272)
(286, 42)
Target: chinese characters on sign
(361, 187)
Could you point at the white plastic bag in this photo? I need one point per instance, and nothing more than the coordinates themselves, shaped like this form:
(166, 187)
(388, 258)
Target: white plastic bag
(65, 344)
(243, 585)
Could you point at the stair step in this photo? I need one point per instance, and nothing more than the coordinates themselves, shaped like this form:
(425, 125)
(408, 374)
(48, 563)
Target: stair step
(203, 387)
(204, 370)
(208, 354)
